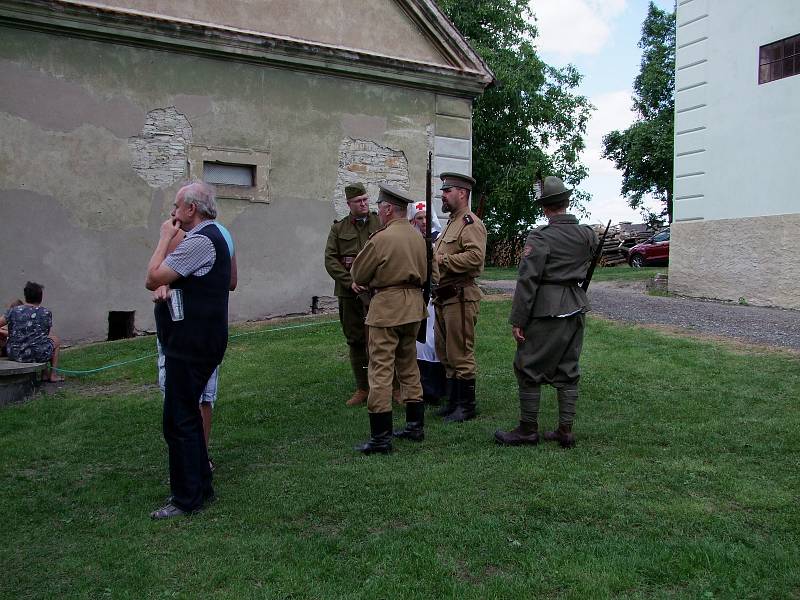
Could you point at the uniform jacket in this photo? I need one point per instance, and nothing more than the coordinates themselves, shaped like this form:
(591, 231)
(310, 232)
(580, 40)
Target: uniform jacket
(554, 261)
(345, 241)
(463, 244)
(394, 256)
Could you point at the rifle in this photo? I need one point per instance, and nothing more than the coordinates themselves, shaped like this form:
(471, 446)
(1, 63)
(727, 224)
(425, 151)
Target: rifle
(426, 289)
(595, 259)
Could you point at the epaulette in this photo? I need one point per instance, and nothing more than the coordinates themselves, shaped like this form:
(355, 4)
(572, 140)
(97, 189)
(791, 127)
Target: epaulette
(376, 231)
(468, 220)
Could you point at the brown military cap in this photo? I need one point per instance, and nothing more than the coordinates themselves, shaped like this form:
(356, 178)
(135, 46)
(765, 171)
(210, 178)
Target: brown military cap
(394, 196)
(354, 189)
(456, 180)
(553, 191)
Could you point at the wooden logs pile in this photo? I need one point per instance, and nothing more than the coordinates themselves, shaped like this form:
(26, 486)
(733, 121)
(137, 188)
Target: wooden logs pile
(620, 239)
(505, 253)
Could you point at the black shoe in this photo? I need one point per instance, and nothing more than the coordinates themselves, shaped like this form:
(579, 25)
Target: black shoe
(380, 439)
(452, 399)
(466, 409)
(415, 423)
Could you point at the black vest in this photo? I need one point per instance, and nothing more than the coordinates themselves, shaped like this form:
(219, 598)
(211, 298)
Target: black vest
(202, 335)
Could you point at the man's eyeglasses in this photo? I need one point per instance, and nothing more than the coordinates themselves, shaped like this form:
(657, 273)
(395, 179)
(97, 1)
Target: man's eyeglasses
(358, 201)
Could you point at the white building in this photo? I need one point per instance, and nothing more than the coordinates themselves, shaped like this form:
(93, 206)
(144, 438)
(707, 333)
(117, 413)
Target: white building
(737, 151)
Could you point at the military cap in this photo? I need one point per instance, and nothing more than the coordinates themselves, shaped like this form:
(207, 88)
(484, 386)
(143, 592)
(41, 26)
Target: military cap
(394, 196)
(354, 189)
(456, 180)
(553, 191)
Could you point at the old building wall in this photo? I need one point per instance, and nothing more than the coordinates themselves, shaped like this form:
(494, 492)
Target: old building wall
(752, 260)
(345, 23)
(91, 137)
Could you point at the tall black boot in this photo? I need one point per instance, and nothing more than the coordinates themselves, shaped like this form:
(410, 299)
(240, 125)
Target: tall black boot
(452, 399)
(380, 439)
(466, 408)
(415, 422)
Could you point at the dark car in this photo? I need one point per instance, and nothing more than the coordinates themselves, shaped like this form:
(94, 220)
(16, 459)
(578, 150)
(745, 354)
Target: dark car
(654, 251)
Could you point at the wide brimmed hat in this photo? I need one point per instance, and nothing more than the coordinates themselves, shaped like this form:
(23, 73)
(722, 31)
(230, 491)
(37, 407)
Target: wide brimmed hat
(456, 180)
(354, 190)
(553, 191)
(394, 196)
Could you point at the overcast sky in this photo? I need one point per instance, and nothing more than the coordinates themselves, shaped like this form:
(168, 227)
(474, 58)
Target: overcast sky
(600, 38)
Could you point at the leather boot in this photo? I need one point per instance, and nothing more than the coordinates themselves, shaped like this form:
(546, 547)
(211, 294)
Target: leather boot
(358, 398)
(452, 399)
(466, 409)
(526, 434)
(563, 435)
(380, 439)
(415, 422)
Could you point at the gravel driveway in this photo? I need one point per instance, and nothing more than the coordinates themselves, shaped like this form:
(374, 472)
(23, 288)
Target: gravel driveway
(627, 302)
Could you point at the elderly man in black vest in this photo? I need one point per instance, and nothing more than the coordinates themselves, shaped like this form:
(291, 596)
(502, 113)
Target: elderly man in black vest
(192, 327)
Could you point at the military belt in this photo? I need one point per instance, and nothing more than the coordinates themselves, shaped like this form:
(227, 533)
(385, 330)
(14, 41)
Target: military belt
(452, 289)
(567, 283)
(403, 286)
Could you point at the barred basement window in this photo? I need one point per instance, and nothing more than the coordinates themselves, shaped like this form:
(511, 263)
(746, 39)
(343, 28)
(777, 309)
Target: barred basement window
(226, 174)
(779, 59)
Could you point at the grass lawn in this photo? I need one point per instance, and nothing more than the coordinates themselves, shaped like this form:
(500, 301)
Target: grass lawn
(621, 273)
(684, 483)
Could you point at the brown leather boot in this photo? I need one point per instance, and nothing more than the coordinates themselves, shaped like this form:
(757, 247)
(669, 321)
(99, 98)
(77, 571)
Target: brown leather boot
(563, 435)
(358, 398)
(526, 434)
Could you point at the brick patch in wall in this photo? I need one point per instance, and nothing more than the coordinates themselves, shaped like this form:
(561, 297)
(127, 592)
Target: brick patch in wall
(369, 163)
(158, 155)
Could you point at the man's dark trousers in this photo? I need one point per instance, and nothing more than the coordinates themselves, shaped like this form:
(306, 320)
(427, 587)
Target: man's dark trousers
(189, 471)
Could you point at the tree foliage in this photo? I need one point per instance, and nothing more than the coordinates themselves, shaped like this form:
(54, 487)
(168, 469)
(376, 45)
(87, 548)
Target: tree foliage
(644, 151)
(531, 121)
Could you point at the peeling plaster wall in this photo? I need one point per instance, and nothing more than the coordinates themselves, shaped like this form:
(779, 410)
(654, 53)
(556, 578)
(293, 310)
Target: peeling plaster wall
(379, 26)
(371, 164)
(91, 137)
(762, 268)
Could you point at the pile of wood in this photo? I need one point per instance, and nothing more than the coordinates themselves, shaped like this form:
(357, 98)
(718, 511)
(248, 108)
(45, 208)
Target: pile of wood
(621, 238)
(505, 253)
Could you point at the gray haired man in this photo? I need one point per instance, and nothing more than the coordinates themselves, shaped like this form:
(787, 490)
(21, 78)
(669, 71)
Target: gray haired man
(200, 267)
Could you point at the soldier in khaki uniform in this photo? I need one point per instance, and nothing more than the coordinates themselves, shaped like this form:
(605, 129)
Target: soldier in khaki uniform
(458, 259)
(547, 316)
(345, 240)
(393, 264)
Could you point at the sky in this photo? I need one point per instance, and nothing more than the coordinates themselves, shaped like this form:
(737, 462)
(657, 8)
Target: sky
(600, 38)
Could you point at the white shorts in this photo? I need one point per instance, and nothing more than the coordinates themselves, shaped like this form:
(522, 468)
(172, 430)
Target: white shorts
(209, 395)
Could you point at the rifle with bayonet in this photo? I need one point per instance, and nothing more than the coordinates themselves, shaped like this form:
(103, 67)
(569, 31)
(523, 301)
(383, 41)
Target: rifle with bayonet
(426, 289)
(595, 259)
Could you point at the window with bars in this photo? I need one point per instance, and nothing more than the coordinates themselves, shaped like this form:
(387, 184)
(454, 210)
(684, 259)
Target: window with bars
(779, 59)
(218, 173)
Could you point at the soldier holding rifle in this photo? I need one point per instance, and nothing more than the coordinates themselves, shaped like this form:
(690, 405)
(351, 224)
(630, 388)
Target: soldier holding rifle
(547, 316)
(458, 259)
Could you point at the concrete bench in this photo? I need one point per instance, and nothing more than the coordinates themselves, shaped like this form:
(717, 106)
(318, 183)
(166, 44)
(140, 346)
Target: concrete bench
(18, 380)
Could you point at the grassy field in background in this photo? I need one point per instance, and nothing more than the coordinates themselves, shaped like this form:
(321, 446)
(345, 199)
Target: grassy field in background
(684, 483)
(622, 273)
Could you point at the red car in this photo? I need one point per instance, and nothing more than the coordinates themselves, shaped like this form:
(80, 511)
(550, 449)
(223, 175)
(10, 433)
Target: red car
(654, 251)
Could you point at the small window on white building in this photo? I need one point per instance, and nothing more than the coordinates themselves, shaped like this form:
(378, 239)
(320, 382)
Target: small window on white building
(779, 59)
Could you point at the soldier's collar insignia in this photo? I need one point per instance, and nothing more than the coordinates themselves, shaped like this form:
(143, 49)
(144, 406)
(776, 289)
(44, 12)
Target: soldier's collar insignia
(468, 220)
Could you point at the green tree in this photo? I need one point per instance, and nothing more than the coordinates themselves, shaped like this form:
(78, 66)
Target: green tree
(644, 151)
(532, 121)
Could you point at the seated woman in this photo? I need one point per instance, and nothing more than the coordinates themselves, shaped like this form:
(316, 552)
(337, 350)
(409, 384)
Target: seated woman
(29, 337)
